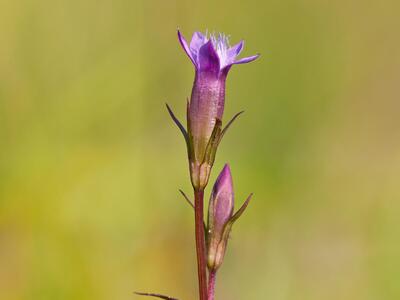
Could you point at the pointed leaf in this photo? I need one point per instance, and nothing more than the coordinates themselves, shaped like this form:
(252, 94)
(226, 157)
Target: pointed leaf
(155, 295)
(192, 205)
(187, 199)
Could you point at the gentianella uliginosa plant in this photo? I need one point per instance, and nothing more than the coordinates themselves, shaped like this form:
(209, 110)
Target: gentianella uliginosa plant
(212, 58)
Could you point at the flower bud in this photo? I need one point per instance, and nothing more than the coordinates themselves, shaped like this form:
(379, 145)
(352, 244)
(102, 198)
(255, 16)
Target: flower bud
(221, 218)
(220, 210)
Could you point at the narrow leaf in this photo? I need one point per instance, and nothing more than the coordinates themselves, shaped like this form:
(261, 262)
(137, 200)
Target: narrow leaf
(192, 205)
(187, 199)
(155, 295)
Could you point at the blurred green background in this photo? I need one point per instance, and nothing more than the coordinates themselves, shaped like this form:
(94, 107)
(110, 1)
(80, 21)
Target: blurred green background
(90, 163)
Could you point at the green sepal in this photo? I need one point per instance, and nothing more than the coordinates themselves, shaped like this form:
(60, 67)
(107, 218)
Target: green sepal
(190, 147)
(185, 133)
(232, 220)
(241, 209)
(215, 139)
(176, 121)
(229, 124)
(223, 238)
(213, 142)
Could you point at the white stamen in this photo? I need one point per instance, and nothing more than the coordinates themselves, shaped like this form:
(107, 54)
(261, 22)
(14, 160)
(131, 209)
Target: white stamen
(221, 45)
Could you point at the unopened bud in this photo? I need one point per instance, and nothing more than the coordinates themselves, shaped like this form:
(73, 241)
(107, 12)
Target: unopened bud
(219, 212)
(221, 218)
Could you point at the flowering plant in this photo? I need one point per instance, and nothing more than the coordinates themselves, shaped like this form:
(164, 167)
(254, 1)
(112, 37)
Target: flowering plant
(212, 58)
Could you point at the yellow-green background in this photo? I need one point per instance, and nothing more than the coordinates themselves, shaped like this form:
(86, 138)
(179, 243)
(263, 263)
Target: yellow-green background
(90, 162)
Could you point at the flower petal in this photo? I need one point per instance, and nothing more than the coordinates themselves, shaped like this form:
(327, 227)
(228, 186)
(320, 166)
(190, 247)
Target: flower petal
(198, 40)
(235, 50)
(186, 48)
(208, 58)
(246, 60)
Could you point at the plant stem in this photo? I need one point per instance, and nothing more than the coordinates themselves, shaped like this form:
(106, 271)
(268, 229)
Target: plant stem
(200, 243)
(211, 285)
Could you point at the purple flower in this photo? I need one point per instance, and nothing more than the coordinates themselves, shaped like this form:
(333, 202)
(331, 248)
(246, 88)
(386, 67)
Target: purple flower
(212, 57)
(213, 53)
(221, 218)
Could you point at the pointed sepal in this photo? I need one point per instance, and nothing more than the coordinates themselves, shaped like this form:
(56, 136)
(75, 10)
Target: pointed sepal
(200, 173)
(217, 252)
(200, 170)
(232, 220)
(241, 210)
(212, 146)
(179, 124)
(229, 124)
(189, 141)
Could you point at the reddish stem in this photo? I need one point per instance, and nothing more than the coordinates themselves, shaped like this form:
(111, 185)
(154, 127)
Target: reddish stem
(211, 285)
(200, 243)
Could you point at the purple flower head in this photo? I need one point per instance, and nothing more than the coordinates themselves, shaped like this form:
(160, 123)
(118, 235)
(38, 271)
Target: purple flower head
(221, 217)
(213, 53)
(212, 57)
